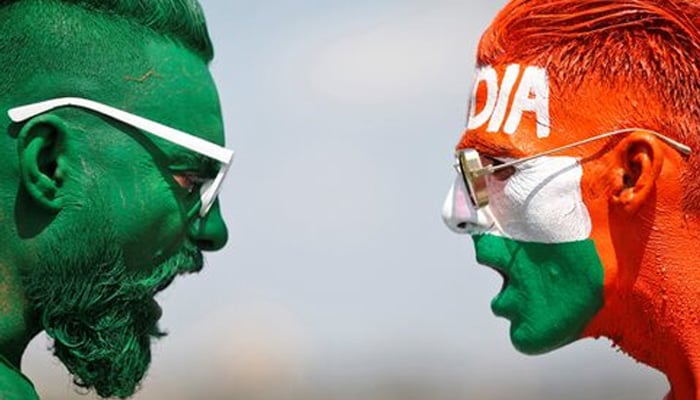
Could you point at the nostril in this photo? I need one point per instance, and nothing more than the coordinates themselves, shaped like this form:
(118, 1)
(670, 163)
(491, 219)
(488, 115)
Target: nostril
(470, 228)
(206, 245)
(209, 235)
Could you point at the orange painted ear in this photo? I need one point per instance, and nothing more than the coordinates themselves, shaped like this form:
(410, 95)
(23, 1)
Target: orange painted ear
(639, 158)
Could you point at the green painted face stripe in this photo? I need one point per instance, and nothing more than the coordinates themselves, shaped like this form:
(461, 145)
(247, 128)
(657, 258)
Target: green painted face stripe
(552, 290)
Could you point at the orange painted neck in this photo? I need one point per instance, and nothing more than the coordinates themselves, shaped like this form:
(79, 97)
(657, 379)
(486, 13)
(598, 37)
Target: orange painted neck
(651, 310)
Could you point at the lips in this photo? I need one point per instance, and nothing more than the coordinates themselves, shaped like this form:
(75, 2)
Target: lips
(505, 303)
(506, 279)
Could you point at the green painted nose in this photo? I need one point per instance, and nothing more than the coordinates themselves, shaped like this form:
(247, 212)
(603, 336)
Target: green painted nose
(210, 233)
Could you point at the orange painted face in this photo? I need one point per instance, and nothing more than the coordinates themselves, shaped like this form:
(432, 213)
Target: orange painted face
(556, 227)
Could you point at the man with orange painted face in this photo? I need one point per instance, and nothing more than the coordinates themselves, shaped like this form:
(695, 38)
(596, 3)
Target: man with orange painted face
(579, 177)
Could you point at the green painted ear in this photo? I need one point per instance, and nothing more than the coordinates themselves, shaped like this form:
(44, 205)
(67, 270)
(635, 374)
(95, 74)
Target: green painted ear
(39, 147)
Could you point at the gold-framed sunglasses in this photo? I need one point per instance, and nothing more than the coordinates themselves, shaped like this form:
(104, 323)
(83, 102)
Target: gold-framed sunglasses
(474, 173)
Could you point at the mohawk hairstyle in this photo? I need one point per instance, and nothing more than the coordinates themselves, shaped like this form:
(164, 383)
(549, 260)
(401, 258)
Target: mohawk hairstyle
(182, 20)
(642, 53)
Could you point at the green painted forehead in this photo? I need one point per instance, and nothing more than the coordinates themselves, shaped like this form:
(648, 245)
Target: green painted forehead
(177, 90)
(51, 48)
(169, 85)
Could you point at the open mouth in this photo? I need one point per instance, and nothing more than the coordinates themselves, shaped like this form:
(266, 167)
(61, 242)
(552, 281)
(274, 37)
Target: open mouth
(504, 275)
(506, 279)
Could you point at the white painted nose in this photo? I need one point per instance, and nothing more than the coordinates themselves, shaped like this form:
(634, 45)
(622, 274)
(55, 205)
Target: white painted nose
(459, 214)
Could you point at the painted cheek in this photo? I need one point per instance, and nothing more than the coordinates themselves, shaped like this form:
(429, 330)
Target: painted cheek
(541, 202)
(596, 188)
(152, 221)
(553, 291)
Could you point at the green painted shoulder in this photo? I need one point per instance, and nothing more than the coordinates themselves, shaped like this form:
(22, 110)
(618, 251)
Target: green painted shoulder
(15, 386)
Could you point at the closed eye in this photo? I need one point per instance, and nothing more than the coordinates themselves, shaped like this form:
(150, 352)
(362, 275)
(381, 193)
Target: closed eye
(190, 181)
(501, 174)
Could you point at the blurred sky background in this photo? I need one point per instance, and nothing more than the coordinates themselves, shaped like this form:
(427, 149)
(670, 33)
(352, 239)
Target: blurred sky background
(340, 281)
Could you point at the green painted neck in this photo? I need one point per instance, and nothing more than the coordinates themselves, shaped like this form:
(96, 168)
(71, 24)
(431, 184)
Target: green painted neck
(18, 324)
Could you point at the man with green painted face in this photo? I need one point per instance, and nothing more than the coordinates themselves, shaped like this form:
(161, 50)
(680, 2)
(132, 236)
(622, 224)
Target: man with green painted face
(112, 162)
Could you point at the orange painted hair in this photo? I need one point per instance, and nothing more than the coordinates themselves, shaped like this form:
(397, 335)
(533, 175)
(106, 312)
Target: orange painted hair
(644, 52)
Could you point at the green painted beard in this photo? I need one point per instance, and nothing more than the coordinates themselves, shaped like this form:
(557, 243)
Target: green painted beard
(100, 313)
(550, 293)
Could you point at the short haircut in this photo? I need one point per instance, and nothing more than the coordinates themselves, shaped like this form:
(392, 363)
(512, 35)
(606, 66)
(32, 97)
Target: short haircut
(182, 20)
(642, 53)
(89, 42)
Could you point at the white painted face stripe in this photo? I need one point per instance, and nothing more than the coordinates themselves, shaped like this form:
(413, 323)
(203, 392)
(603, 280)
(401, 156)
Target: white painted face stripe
(540, 203)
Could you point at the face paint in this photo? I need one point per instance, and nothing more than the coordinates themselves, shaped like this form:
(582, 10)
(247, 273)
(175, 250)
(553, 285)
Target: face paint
(101, 315)
(101, 262)
(531, 96)
(535, 232)
(541, 202)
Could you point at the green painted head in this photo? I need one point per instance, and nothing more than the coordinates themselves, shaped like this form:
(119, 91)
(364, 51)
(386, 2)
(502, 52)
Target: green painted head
(96, 214)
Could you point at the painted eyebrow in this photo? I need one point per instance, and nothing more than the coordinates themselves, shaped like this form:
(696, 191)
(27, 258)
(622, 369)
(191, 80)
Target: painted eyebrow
(492, 150)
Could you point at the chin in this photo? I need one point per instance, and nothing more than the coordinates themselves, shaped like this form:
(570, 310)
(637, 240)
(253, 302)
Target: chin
(533, 341)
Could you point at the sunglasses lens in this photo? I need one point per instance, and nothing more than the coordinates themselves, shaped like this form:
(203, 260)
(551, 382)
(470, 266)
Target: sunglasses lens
(470, 164)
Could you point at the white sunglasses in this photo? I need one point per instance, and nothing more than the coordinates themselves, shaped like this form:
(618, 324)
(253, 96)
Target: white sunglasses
(210, 189)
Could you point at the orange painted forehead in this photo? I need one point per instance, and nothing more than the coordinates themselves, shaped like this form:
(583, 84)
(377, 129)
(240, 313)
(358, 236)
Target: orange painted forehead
(518, 109)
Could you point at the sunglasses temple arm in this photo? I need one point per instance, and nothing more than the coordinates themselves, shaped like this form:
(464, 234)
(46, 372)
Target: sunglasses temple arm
(680, 147)
(209, 195)
(683, 149)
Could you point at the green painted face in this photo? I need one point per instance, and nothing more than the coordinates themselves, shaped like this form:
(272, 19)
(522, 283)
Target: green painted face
(123, 230)
(96, 214)
(142, 177)
(551, 290)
